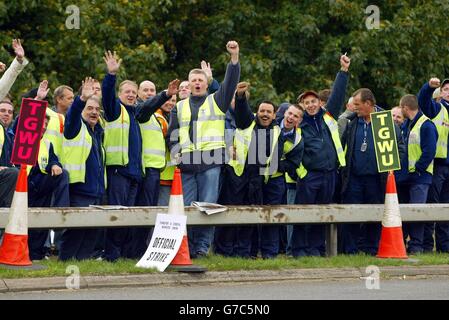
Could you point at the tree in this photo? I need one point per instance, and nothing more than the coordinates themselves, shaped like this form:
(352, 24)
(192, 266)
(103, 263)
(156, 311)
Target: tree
(286, 46)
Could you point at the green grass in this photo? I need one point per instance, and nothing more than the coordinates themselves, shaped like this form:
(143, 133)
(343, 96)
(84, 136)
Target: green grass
(218, 263)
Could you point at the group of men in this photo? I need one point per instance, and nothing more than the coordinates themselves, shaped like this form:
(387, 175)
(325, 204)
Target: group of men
(299, 154)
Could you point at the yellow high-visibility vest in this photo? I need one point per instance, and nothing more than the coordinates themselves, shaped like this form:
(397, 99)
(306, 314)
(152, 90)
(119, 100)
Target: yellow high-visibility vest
(414, 146)
(116, 139)
(153, 144)
(55, 132)
(333, 128)
(2, 138)
(76, 152)
(242, 141)
(169, 171)
(208, 129)
(43, 156)
(441, 122)
(288, 146)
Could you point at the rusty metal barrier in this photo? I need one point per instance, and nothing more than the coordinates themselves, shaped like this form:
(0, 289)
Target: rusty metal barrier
(331, 215)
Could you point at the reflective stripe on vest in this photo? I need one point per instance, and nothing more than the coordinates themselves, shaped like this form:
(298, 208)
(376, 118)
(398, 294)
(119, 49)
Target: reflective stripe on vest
(414, 146)
(43, 157)
(55, 132)
(288, 146)
(333, 129)
(153, 144)
(116, 139)
(2, 138)
(441, 121)
(169, 171)
(76, 152)
(242, 141)
(208, 130)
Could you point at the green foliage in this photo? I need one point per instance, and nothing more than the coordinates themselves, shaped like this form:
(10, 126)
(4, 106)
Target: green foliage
(286, 46)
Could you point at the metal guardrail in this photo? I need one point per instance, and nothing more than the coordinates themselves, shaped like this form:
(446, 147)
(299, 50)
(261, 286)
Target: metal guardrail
(331, 215)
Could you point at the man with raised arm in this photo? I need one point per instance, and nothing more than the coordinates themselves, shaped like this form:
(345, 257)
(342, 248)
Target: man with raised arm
(196, 138)
(437, 111)
(323, 154)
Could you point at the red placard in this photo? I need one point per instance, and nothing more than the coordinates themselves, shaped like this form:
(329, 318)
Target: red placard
(29, 132)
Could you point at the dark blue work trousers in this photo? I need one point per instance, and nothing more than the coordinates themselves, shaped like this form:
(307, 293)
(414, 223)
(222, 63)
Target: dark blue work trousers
(80, 244)
(147, 195)
(45, 190)
(273, 193)
(414, 193)
(122, 190)
(247, 189)
(315, 188)
(438, 193)
(356, 237)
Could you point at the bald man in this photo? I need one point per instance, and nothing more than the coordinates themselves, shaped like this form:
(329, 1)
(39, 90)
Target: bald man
(146, 89)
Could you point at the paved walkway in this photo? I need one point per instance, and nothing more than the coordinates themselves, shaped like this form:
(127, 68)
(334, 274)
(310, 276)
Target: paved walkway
(177, 278)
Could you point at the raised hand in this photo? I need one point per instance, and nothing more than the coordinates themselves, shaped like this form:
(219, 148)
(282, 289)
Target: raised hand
(2, 67)
(43, 90)
(345, 61)
(233, 49)
(112, 62)
(434, 83)
(242, 89)
(172, 89)
(18, 50)
(207, 69)
(87, 90)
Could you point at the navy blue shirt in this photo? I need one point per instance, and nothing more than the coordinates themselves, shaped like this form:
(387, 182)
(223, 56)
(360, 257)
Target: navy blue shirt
(93, 185)
(364, 162)
(319, 149)
(111, 105)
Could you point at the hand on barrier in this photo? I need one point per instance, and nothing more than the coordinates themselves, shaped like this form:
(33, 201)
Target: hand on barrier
(177, 158)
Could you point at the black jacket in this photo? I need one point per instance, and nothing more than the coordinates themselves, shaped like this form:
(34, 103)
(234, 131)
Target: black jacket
(348, 141)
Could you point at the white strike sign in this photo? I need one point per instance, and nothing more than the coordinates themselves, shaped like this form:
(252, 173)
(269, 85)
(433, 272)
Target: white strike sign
(165, 242)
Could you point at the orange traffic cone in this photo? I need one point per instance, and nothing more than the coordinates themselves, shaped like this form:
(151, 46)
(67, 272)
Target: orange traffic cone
(14, 248)
(182, 261)
(391, 240)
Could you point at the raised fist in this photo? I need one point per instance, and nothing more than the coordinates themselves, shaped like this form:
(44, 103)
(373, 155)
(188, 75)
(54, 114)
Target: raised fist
(243, 89)
(345, 61)
(434, 83)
